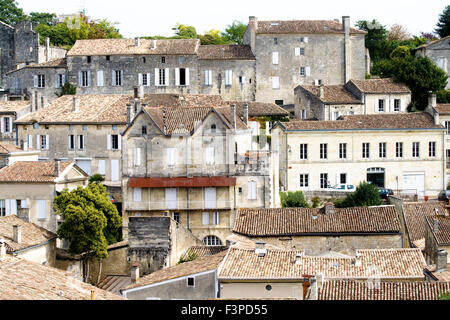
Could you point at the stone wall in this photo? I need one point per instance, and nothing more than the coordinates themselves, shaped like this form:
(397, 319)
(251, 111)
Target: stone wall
(6, 50)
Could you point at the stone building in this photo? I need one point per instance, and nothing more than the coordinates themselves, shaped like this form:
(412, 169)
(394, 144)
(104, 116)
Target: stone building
(439, 52)
(194, 163)
(304, 52)
(26, 240)
(10, 153)
(10, 111)
(27, 188)
(320, 231)
(329, 102)
(402, 152)
(20, 47)
(437, 245)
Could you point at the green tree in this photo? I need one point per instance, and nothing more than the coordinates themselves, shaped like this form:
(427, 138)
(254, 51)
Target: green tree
(67, 89)
(365, 195)
(443, 25)
(445, 296)
(10, 13)
(43, 18)
(375, 39)
(184, 31)
(103, 29)
(401, 52)
(212, 37)
(96, 178)
(293, 200)
(234, 33)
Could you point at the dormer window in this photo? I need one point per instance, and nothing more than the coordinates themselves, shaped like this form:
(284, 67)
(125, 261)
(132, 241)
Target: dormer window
(213, 128)
(163, 59)
(89, 59)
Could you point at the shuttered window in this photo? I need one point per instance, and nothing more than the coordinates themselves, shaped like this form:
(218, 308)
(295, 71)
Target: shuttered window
(274, 57)
(252, 190)
(209, 155)
(137, 194)
(170, 157)
(42, 209)
(171, 198)
(210, 198)
(137, 156)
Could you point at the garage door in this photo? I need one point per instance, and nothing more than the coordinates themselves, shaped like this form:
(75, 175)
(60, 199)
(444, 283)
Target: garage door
(85, 165)
(414, 182)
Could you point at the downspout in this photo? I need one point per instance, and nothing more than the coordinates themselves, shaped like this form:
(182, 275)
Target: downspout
(287, 160)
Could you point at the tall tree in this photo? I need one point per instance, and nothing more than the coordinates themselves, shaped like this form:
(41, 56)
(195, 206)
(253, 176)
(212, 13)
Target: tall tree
(183, 31)
(443, 25)
(43, 18)
(365, 195)
(10, 13)
(376, 38)
(293, 200)
(212, 37)
(234, 33)
(398, 33)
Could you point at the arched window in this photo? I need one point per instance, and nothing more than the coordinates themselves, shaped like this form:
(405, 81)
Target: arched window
(212, 241)
(213, 128)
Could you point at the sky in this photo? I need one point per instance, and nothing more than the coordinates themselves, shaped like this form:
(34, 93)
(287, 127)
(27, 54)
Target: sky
(158, 17)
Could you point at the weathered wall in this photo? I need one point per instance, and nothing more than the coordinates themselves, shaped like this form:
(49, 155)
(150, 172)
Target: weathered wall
(439, 53)
(257, 290)
(44, 254)
(117, 263)
(6, 49)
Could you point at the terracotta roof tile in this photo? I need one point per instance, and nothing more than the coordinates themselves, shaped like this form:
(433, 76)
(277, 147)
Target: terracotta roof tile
(442, 275)
(280, 264)
(415, 213)
(415, 120)
(31, 171)
(303, 221)
(32, 234)
(11, 106)
(8, 147)
(302, 26)
(56, 63)
(442, 235)
(25, 280)
(96, 47)
(203, 251)
(356, 290)
(333, 94)
(259, 109)
(200, 264)
(386, 85)
(225, 52)
(180, 100)
(108, 108)
(443, 108)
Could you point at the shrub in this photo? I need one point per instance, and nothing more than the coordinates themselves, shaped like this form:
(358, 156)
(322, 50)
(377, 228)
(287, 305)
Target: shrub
(293, 200)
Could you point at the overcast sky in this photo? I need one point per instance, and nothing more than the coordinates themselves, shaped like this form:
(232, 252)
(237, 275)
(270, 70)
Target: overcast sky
(157, 17)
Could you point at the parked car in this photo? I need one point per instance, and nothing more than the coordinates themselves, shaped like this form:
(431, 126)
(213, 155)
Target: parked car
(444, 195)
(344, 187)
(384, 193)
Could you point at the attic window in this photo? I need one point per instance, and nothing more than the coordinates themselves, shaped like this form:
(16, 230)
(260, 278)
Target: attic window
(274, 24)
(163, 59)
(213, 128)
(144, 129)
(190, 282)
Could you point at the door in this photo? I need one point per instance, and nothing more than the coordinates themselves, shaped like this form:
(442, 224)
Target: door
(414, 182)
(376, 176)
(115, 170)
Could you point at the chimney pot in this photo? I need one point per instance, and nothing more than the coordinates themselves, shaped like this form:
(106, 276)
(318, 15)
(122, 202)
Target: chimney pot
(260, 248)
(57, 167)
(328, 208)
(346, 24)
(137, 41)
(321, 91)
(153, 44)
(441, 260)
(299, 258)
(17, 233)
(135, 272)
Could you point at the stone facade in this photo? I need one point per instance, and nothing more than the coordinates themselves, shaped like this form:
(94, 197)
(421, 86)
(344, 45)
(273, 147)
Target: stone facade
(439, 52)
(42, 254)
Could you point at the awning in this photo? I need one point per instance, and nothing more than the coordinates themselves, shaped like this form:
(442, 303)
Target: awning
(181, 182)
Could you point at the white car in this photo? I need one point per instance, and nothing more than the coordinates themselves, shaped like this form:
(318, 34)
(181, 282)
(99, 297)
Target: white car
(344, 187)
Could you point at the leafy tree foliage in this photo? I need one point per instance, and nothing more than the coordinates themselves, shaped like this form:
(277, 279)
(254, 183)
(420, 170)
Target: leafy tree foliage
(91, 221)
(96, 178)
(212, 37)
(43, 18)
(443, 25)
(184, 31)
(293, 200)
(445, 296)
(234, 33)
(366, 194)
(67, 89)
(10, 13)
(376, 38)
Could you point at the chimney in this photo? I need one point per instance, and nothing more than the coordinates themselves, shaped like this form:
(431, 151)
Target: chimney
(246, 113)
(57, 167)
(24, 214)
(47, 48)
(358, 259)
(260, 248)
(321, 94)
(17, 233)
(135, 272)
(137, 41)
(33, 101)
(328, 208)
(430, 107)
(432, 102)
(128, 113)
(137, 104)
(346, 24)
(299, 258)
(253, 20)
(76, 104)
(2, 249)
(233, 116)
(441, 260)
(319, 280)
(153, 44)
(183, 102)
(92, 294)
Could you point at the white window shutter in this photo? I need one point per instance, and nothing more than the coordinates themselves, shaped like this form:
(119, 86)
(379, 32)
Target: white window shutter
(205, 218)
(139, 79)
(13, 206)
(47, 142)
(274, 57)
(206, 77)
(2, 125)
(243, 80)
(35, 81)
(148, 79)
(171, 198)
(113, 77)
(108, 142)
(42, 209)
(137, 194)
(217, 217)
(187, 76)
(100, 78)
(297, 51)
(167, 76)
(227, 76)
(38, 141)
(8, 207)
(157, 77)
(101, 166)
(80, 78)
(210, 155)
(308, 71)
(57, 81)
(63, 79)
(121, 78)
(30, 141)
(119, 142)
(305, 39)
(10, 124)
(177, 76)
(137, 156)
(275, 82)
(89, 78)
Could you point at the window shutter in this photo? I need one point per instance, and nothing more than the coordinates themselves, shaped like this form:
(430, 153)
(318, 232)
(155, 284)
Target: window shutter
(89, 78)
(101, 166)
(274, 57)
(47, 142)
(56, 80)
(305, 39)
(38, 141)
(177, 76)
(170, 156)
(2, 125)
(137, 156)
(206, 77)
(100, 78)
(243, 80)
(156, 77)
(171, 198)
(13, 206)
(63, 79)
(30, 141)
(80, 78)
(216, 217)
(121, 78)
(187, 76)
(205, 218)
(297, 51)
(8, 207)
(139, 79)
(308, 71)
(252, 190)
(137, 194)
(227, 77)
(108, 142)
(10, 124)
(167, 76)
(42, 210)
(23, 203)
(68, 141)
(113, 78)
(210, 198)
(35, 81)
(148, 79)
(210, 155)
(119, 142)
(275, 82)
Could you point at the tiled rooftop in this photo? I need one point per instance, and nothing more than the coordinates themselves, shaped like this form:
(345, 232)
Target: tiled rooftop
(357, 290)
(56, 63)
(203, 251)
(386, 85)
(32, 234)
(280, 264)
(31, 171)
(8, 147)
(442, 235)
(302, 26)
(443, 108)
(333, 94)
(12, 106)
(259, 109)
(304, 221)
(225, 52)
(25, 280)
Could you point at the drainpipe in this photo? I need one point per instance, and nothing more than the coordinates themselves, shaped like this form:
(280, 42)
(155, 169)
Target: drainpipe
(287, 162)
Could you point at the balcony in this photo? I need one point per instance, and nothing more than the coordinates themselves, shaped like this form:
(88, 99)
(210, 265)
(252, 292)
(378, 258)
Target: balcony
(177, 205)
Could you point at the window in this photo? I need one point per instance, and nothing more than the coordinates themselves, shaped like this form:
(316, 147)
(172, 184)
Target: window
(279, 102)
(42, 209)
(171, 198)
(213, 128)
(432, 149)
(117, 78)
(137, 156)
(216, 218)
(208, 77)
(275, 82)
(342, 151)
(205, 218)
(382, 150)
(180, 60)
(296, 51)
(397, 106)
(170, 156)
(60, 80)
(190, 282)
(81, 142)
(137, 194)
(2, 208)
(302, 51)
(145, 79)
(228, 77)
(303, 152)
(176, 216)
(302, 71)
(40, 81)
(324, 180)
(209, 155)
(252, 190)
(115, 142)
(114, 127)
(144, 129)
(343, 178)
(101, 166)
(100, 78)
(71, 142)
(6, 125)
(304, 180)
(163, 59)
(35, 125)
(447, 127)
(108, 58)
(84, 81)
(380, 105)
(365, 150)
(415, 150)
(162, 77)
(89, 59)
(323, 151)
(447, 152)
(212, 241)
(43, 141)
(304, 40)
(335, 115)
(268, 287)
(144, 60)
(399, 149)
(210, 198)
(302, 114)
(182, 76)
(241, 80)
(274, 57)
(275, 40)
